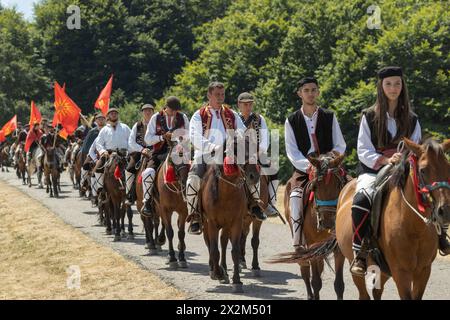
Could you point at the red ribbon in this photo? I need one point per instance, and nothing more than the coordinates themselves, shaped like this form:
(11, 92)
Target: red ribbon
(420, 204)
(117, 173)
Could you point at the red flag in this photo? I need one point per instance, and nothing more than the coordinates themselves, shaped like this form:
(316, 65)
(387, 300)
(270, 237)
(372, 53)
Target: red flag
(2, 136)
(10, 126)
(102, 102)
(35, 115)
(31, 137)
(67, 111)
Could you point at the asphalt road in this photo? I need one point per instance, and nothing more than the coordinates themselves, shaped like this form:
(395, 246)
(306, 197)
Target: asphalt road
(280, 281)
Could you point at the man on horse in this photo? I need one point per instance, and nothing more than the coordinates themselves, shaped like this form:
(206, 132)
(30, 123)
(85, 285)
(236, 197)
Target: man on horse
(88, 161)
(33, 138)
(256, 122)
(307, 131)
(162, 128)
(208, 133)
(137, 147)
(18, 144)
(113, 137)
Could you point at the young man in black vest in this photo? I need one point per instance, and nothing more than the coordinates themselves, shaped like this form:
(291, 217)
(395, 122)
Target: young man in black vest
(310, 129)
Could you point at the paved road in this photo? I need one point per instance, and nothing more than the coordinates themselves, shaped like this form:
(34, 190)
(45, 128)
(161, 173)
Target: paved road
(279, 281)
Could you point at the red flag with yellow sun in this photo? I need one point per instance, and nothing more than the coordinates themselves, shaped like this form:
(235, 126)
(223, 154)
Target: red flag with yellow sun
(67, 112)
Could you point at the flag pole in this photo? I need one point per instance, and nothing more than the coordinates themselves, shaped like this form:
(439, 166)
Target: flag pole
(85, 120)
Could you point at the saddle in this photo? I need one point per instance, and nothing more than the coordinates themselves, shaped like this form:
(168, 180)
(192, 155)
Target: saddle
(381, 187)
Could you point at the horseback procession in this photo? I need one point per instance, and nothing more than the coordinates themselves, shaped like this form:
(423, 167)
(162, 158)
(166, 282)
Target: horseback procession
(216, 172)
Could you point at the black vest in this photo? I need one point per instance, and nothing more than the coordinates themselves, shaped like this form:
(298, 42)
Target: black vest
(254, 122)
(369, 113)
(140, 134)
(324, 131)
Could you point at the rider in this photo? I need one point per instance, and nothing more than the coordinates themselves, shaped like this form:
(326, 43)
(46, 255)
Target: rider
(137, 148)
(208, 134)
(114, 136)
(257, 122)
(163, 127)
(307, 131)
(382, 127)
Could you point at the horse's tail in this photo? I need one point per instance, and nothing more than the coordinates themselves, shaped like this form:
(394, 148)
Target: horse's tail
(315, 252)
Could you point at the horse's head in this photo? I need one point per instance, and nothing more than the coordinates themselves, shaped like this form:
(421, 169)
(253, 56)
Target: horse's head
(433, 171)
(327, 178)
(116, 159)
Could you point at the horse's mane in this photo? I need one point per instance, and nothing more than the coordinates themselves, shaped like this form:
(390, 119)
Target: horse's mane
(401, 170)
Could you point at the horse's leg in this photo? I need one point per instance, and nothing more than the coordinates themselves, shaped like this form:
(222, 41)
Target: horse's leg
(213, 233)
(208, 245)
(339, 285)
(116, 217)
(224, 236)
(167, 221)
(149, 227)
(360, 284)
(130, 223)
(256, 270)
(403, 280)
(236, 232)
(162, 234)
(420, 283)
(122, 211)
(316, 281)
(48, 182)
(181, 243)
(55, 184)
(107, 212)
(378, 292)
(245, 232)
(306, 276)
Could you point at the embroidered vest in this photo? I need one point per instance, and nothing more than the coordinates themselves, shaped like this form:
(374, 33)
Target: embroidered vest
(162, 128)
(226, 115)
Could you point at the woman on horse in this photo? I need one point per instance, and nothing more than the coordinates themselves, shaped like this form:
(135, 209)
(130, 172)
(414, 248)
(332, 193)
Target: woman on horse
(382, 127)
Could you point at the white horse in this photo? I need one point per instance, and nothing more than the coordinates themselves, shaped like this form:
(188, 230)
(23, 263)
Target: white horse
(35, 165)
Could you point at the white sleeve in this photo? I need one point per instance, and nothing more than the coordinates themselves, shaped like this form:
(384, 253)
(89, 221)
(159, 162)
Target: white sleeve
(416, 136)
(263, 136)
(196, 135)
(366, 151)
(92, 149)
(339, 144)
(133, 146)
(100, 144)
(150, 136)
(294, 155)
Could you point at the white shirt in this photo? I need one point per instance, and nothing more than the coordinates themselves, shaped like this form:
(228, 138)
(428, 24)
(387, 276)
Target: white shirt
(366, 151)
(217, 133)
(92, 150)
(112, 139)
(133, 146)
(151, 138)
(264, 141)
(297, 158)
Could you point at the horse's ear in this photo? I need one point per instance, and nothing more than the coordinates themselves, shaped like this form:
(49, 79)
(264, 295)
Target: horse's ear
(314, 161)
(412, 146)
(337, 161)
(446, 145)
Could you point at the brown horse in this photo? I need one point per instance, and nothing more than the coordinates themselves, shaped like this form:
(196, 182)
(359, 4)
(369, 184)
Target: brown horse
(4, 157)
(407, 238)
(250, 220)
(224, 204)
(169, 199)
(51, 171)
(22, 163)
(153, 240)
(327, 178)
(114, 205)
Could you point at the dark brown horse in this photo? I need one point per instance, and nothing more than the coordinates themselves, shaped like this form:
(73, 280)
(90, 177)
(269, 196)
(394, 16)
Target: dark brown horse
(154, 240)
(407, 237)
(51, 171)
(4, 157)
(224, 204)
(21, 163)
(327, 178)
(169, 198)
(115, 207)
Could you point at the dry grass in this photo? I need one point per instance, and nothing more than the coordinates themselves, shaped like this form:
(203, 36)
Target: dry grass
(37, 248)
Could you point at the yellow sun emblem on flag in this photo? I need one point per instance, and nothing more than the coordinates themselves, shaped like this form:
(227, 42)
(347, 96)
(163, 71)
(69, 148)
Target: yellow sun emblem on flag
(63, 107)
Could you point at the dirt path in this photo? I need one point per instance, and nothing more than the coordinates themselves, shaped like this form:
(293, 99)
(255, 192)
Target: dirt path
(277, 281)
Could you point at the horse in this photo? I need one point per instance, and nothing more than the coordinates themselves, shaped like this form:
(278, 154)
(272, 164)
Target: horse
(75, 164)
(4, 157)
(326, 180)
(115, 196)
(154, 240)
(250, 220)
(21, 163)
(34, 164)
(51, 171)
(223, 203)
(169, 198)
(407, 235)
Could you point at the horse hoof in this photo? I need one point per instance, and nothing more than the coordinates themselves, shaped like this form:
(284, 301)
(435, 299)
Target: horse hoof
(130, 236)
(152, 252)
(182, 264)
(123, 234)
(51, 196)
(158, 247)
(116, 238)
(225, 280)
(242, 265)
(173, 265)
(108, 232)
(256, 273)
(238, 288)
(146, 246)
(212, 275)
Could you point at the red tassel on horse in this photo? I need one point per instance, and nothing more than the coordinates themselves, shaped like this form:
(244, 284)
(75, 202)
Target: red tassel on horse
(229, 168)
(117, 173)
(170, 176)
